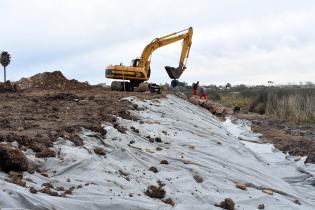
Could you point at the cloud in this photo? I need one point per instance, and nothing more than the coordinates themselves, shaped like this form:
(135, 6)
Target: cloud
(234, 41)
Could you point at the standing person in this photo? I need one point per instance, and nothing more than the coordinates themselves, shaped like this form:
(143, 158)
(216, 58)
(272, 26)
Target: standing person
(195, 88)
(204, 94)
(174, 85)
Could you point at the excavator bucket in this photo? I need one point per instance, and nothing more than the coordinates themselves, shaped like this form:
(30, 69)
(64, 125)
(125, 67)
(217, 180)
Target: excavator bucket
(174, 73)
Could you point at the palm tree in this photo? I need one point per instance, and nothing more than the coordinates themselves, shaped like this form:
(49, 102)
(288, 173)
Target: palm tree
(5, 59)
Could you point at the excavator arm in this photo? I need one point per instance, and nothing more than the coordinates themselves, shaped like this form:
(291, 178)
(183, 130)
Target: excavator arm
(166, 40)
(139, 70)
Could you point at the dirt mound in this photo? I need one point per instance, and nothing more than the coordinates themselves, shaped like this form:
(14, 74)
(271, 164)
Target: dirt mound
(213, 107)
(12, 159)
(7, 87)
(52, 81)
(156, 191)
(226, 204)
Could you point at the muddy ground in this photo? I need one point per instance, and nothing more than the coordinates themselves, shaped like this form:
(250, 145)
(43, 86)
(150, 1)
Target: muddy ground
(295, 139)
(49, 106)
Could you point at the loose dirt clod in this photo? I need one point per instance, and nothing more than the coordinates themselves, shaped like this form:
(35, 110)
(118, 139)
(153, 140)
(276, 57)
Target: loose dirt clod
(261, 206)
(33, 190)
(187, 162)
(69, 191)
(48, 184)
(198, 179)
(48, 191)
(12, 159)
(153, 169)
(60, 189)
(158, 139)
(76, 139)
(169, 201)
(241, 186)
(134, 129)
(165, 162)
(156, 191)
(296, 201)
(100, 151)
(228, 204)
(16, 178)
(46, 152)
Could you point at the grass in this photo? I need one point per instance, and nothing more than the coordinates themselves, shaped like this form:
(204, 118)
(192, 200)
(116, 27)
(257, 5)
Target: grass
(292, 105)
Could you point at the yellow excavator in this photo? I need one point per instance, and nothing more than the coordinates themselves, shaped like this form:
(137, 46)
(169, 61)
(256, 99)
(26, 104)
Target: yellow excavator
(139, 70)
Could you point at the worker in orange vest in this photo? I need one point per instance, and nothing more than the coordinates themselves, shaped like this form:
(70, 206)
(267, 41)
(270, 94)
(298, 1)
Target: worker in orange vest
(204, 94)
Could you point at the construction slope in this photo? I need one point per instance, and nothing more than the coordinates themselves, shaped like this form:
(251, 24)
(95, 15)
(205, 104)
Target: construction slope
(201, 163)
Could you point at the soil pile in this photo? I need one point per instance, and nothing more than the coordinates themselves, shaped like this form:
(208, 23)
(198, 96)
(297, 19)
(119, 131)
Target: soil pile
(7, 87)
(294, 139)
(213, 107)
(12, 159)
(50, 80)
(52, 106)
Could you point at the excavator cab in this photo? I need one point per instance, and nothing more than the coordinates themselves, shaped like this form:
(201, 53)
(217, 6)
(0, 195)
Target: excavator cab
(135, 62)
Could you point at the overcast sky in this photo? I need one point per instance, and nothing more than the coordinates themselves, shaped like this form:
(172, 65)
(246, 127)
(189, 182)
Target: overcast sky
(236, 41)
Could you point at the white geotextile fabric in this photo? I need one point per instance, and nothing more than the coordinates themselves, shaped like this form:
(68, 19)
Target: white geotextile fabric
(218, 156)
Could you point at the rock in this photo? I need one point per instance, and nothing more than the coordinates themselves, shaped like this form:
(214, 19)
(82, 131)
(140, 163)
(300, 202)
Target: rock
(99, 151)
(48, 184)
(228, 204)
(134, 129)
(187, 162)
(241, 186)
(76, 139)
(148, 150)
(268, 191)
(296, 201)
(198, 179)
(44, 173)
(261, 206)
(165, 162)
(46, 153)
(158, 139)
(16, 178)
(169, 201)
(153, 169)
(155, 192)
(158, 149)
(33, 190)
(48, 191)
(12, 159)
(69, 191)
(60, 189)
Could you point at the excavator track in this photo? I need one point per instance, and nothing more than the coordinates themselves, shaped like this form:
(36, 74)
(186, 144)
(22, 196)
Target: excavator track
(122, 86)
